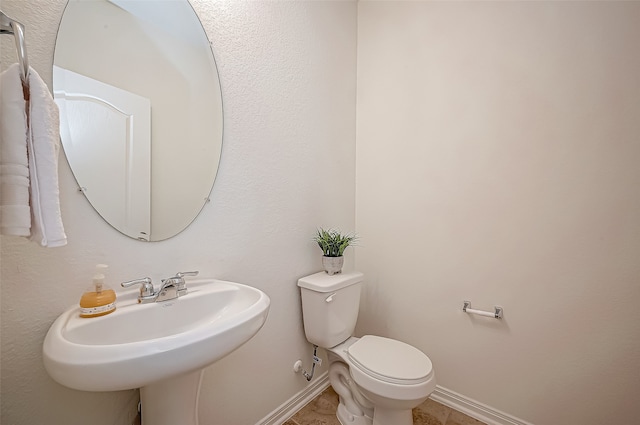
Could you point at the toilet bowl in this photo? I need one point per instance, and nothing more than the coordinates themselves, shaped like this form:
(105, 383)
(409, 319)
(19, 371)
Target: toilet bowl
(389, 379)
(379, 380)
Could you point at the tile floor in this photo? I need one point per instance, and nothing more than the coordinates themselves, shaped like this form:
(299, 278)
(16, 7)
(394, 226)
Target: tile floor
(322, 411)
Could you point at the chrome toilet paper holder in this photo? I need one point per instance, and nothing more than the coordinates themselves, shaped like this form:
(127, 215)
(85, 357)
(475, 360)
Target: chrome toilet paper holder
(496, 314)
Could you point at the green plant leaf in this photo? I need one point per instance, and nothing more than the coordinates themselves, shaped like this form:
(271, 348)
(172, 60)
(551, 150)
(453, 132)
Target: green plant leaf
(332, 242)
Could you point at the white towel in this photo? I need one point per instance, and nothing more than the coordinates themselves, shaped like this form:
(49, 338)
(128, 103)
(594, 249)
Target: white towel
(43, 146)
(15, 216)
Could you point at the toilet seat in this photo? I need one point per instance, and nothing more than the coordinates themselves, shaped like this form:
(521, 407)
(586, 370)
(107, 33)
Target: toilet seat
(389, 360)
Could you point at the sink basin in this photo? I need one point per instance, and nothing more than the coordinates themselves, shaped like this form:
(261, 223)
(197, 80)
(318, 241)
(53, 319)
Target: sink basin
(142, 344)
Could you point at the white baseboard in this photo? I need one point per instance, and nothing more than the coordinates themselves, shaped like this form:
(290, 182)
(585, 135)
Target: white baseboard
(473, 408)
(449, 398)
(297, 402)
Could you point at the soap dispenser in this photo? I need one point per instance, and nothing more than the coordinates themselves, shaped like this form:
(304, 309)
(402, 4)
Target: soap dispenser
(99, 299)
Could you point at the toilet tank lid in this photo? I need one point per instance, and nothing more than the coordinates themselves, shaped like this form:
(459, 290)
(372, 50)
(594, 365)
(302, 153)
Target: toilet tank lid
(322, 282)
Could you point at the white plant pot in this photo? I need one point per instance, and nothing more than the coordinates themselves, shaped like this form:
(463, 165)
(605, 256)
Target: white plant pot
(332, 265)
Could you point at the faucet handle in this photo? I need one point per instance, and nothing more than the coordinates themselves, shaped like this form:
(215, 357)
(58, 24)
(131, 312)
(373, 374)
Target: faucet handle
(179, 283)
(183, 274)
(146, 286)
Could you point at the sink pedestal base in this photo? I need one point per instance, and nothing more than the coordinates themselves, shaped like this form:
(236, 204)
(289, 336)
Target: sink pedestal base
(172, 401)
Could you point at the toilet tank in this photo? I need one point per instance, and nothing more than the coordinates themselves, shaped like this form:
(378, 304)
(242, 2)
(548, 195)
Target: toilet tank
(330, 306)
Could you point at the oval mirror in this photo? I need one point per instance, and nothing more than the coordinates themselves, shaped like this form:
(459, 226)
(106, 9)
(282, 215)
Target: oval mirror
(140, 111)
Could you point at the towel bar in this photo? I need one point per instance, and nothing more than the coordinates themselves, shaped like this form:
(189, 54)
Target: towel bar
(497, 314)
(11, 26)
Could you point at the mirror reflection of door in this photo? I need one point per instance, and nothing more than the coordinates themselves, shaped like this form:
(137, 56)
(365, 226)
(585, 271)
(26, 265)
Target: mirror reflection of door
(108, 134)
(158, 50)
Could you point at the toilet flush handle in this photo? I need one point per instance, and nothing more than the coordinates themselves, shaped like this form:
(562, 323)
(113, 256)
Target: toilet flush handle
(330, 298)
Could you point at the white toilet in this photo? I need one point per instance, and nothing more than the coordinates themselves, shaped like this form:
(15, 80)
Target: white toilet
(379, 380)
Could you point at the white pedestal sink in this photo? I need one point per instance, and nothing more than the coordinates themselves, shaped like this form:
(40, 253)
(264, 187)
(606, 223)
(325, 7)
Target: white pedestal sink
(160, 348)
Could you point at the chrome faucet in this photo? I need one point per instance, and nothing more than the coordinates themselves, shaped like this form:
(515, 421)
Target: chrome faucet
(171, 288)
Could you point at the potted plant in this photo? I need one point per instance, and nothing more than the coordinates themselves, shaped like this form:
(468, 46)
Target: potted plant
(333, 243)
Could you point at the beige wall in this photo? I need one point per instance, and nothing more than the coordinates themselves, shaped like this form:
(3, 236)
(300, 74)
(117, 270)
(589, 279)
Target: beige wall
(498, 160)
(287, 72)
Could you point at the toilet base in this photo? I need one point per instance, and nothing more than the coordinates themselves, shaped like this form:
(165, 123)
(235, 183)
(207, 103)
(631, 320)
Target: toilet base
(347, 418)
(380, 417)
(383, 416)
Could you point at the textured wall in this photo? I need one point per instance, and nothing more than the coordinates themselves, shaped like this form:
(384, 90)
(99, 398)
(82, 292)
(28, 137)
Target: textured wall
(497, 161)
(287, 71)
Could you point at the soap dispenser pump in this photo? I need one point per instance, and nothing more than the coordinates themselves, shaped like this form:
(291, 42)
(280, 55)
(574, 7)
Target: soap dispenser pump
(99, 299)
